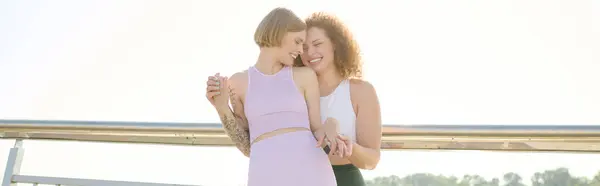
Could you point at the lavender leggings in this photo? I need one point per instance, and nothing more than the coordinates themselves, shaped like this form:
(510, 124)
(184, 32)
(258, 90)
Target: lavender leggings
(289, 159)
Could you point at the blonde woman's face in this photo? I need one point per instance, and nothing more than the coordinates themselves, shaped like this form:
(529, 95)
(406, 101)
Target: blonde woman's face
(291, 47)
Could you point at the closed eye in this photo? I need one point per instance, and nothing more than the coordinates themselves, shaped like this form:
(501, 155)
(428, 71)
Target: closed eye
(299, 41)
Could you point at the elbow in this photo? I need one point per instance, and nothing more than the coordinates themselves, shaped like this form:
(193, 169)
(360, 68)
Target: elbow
(366, 166)
(245, 151)
(370, 163)
(374, 164)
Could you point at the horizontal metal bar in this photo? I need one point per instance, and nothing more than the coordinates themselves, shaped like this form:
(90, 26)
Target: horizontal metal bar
(77, 181)
(572, 138)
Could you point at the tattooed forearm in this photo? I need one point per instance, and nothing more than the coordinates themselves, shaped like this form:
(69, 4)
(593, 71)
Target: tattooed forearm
(233, 129)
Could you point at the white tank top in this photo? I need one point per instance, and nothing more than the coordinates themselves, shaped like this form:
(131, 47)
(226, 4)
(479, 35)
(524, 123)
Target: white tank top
(338, 105)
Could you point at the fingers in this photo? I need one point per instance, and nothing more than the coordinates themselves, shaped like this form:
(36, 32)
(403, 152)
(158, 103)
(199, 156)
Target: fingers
(341, 148)
(349, 144)
(225, 88)
(349, 151)
(211, 95)
(320, 140)
(212, 81)
(333, 145)
(223, 83)
(213, 86)
(212, 90)
(344, 146)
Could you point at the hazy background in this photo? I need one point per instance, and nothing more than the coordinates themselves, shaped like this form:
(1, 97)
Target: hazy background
(432, 62)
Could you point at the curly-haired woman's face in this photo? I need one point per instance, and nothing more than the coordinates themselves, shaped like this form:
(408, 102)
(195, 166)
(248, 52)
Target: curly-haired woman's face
(318, 50)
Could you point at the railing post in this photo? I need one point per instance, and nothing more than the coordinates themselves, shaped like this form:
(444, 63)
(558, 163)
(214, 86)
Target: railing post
(13, 165)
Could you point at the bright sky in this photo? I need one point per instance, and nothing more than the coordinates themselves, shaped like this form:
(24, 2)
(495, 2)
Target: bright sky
(432, 62)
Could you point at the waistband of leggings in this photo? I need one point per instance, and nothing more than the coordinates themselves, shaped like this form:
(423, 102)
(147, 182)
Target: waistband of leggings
(345, 167)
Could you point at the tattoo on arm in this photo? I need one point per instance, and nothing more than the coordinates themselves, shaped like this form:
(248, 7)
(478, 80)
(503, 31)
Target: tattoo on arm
(239, 135)
(232, 123)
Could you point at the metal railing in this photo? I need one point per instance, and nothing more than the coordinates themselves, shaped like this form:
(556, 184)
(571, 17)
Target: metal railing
(565, 138)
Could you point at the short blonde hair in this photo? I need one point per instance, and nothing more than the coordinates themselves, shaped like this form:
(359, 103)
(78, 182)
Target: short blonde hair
(275, 25)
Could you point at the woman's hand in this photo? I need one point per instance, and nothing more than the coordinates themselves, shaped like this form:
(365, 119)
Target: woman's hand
(329, 133)
(349, 144)
(216, 91)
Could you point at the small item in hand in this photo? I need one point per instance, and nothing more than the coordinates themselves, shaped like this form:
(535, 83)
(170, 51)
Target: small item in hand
(327, 149)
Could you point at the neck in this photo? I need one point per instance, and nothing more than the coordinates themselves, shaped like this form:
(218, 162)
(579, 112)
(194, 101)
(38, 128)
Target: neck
(267, 62)
(329, 80)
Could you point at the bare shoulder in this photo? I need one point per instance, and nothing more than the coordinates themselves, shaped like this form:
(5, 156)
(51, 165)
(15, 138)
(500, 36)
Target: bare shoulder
(304, 72)
(361, 88)
(304, 75)
(238, 82)
(239, 78)
(362, 94)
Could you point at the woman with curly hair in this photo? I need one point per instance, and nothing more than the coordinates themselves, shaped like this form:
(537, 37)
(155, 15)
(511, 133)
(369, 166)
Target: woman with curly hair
(332, 52)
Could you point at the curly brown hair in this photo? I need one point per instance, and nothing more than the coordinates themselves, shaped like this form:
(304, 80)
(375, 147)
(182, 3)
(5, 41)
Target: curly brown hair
(346, 54)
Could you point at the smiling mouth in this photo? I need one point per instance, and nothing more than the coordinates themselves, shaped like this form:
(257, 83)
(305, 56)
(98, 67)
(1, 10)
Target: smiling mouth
(315, 60)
